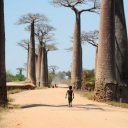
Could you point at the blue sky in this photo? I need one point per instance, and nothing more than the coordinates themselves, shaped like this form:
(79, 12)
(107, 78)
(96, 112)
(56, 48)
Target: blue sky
(59, 17)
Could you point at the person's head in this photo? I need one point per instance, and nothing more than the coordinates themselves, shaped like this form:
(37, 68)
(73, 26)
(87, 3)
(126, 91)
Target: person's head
(70, 87)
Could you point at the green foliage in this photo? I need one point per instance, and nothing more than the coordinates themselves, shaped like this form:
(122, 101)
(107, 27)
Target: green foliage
(19, 77)
(88, 82)
(51, 77)
(68, 73)
(88, 75)
(10, 77)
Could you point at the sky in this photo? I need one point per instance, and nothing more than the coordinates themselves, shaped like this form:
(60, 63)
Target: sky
(60, 18)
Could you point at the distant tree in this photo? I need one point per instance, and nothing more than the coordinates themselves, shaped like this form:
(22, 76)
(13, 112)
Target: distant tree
(77, 49)
(25, 45)
(53, 68)
(20, 70)
(44, 34)
(31, 19)
(11, 78)
(90, 37)
(3, 88)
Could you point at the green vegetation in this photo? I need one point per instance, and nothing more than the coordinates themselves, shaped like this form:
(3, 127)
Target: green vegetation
(88, 75)
(10, 77)
(88, 82)
(51, 77)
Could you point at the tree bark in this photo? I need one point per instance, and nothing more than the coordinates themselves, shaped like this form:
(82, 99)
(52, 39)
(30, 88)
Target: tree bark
(105, 86)
(121, 44)
(77, 55)
(27, 63)
(43, 78)
(36, 66)
(39, 64)
(31, 62)
(46, 67)
(3, 88)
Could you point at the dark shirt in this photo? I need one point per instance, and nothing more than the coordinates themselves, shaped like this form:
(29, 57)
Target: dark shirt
(69, 92)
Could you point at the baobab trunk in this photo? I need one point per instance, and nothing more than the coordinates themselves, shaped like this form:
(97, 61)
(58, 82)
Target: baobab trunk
(96, 59)
(39, 64)
(43, 78)
(31, 62)
(36, 65)
(121, 44)
(77, 55)
(27, 63)
(3, 88)
(105, 86)
(46, 67)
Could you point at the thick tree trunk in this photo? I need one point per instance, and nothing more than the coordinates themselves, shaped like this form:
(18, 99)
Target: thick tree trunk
(105, 86)
(121, 44)
(31, 62)
(3, 88)
(39, 64)
(46, 67)
(96, 59)
(43, 78)
(36, 67)
(27, 63)
(81, 62)
(77, 56)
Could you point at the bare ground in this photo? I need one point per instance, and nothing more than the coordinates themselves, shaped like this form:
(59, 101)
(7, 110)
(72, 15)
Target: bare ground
(48, 108)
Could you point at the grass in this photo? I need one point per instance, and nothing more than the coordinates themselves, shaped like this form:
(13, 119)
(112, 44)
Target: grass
(90, 95)
(118, 104)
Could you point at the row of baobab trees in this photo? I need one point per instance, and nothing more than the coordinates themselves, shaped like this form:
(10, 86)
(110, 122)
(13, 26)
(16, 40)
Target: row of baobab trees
(112, 51)
(111, 68)
(37, 60)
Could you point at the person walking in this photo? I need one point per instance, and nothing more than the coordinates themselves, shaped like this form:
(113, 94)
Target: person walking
(70, 95)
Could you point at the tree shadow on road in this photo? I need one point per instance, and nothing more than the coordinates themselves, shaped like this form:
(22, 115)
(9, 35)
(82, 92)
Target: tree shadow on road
(75, 107)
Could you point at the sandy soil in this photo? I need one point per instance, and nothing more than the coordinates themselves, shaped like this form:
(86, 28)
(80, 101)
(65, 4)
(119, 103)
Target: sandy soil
(48, 108)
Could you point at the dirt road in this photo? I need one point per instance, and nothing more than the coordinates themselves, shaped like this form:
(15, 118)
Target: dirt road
(48, 108)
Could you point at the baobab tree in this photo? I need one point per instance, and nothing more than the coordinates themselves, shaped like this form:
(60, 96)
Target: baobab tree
(121, 44)
(44, 34)
(20, 70)
(3, 88)
(49, 47)
(53, 68)
(31, 19)
(105, 85)
(91, 38)
(77, 49)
